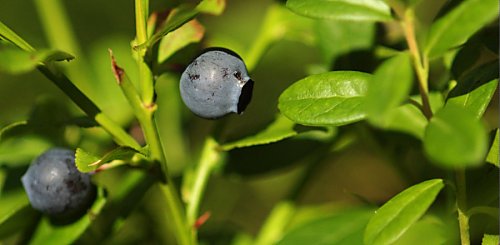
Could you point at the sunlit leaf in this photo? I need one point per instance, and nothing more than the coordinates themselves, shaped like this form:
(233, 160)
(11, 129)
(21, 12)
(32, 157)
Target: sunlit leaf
(86, 162)
(455, 138)
(428, 230)
(459, 24)
(328, 99)
(343, 228)
(359, 10)
(490, 240)
(394, 218)
(215, 7)
(9, 35)
(390, 87)
(47, 233)
(190, 32)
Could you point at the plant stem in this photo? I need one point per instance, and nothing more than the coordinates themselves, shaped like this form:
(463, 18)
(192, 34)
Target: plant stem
(208, 160)
(144, 110)
(420, 63)
(145, 74)
(276, 222)
(463, 218)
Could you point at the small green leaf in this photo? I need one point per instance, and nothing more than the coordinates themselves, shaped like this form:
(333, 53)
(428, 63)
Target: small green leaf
(428, 230)
(190, 32)
(394, 218)
(15, 60)
(343, 228)
(280, 129)
(357, 10)
(328, 99)
(215, 7)
(493, 156)
(46, 233)
(490, 240)
(459, 24)
(455, 138)
(474, 91)
(177, 17)
(390, 87)
(86, 162)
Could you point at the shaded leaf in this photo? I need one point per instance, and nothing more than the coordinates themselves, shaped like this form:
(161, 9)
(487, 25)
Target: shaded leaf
(358, 10)
(493, 156)
(328, 99)
(215, 7)
(15, 212)
(490, 240)
(280, 129)
(15, 60)
(394, 218)
(390, 87)
(190, 32)
(343, 228)
(46, 233)
(455, 138)
(459, 24)
(86, 162)
(474, 91)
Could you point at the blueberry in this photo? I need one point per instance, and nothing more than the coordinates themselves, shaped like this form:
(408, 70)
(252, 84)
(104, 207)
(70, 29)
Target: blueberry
(215, 84)
(56, 187)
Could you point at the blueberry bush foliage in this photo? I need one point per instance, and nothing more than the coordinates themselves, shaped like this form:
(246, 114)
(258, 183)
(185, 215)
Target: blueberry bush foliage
(371, 122)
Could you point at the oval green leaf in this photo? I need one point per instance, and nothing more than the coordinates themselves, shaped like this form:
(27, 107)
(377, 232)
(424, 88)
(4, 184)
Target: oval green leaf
(86, 162)
(493, 153)
(455, 138)
(459, 24)
(394, 218)
(391, 85)
(344, 228)
(329, 99)
(357, 10)
(188, 33)
(16, 61)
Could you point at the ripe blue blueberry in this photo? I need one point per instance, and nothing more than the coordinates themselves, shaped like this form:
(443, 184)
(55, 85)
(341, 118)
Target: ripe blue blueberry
(215, 84)
(55, 186)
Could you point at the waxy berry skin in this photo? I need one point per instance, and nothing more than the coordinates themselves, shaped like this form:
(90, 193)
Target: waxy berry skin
(55, 186)
(215, 84)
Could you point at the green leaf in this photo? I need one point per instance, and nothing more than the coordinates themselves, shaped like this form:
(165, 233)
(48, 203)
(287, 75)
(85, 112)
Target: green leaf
(9, 35)
(428, 230)
(177, 17)
(390, 87)
(474, 91)
(490, 240)
(280, 129)
(191, 32)
(16, 61)
(357, 10)
(493, 156)
(455, 138)
(343, 228)
(86, 162)
(347, 36)
(46, 233)
(215, 7)
(394, 218)
(459, 24)
(329, 99)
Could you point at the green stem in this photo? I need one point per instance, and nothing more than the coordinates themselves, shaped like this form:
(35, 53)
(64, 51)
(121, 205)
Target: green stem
(208, 160)
(145, 74)
(463, 218)
(420, 63)
(60, 80)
